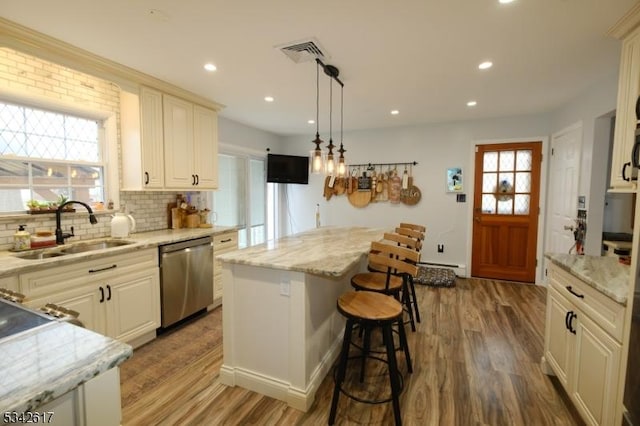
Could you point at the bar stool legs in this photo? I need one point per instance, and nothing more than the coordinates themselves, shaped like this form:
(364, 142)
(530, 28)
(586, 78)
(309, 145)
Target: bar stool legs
(394, 378)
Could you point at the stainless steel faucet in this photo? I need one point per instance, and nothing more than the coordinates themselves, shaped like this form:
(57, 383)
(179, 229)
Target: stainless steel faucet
(60, 236)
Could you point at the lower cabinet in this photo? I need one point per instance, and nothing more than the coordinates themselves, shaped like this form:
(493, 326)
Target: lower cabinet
(222, 243)
(584, 357)
(94, 403)
(120, 303)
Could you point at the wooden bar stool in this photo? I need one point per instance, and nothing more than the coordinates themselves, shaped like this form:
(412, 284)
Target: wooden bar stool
(392, 267)
(414, 227)
(371, 309)
(416, 232)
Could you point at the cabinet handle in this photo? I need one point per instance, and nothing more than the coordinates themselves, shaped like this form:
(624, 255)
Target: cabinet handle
(580, 296)
(624, 172)
(571, 317)
(101, 294)
(225, 241)
(91, 271)
(197, 179)
(146, 178)
(109, 292)
(566, 321)
(193, 179)
(638, 108)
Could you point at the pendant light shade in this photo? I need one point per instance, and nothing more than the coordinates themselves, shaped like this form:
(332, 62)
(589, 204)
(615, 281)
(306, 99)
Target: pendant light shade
(316, 157)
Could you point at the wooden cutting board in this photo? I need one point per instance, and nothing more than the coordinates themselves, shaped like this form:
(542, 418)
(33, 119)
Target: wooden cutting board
(410, 196)
(360, 198)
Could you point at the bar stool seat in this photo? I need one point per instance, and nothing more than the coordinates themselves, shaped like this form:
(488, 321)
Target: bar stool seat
(371, 309)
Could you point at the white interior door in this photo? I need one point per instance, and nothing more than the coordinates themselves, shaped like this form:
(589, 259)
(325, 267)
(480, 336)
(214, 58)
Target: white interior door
(566, 152)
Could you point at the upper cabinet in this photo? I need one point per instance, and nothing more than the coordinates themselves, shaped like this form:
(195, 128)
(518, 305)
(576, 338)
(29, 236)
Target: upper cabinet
(624, 162)
(167, 143)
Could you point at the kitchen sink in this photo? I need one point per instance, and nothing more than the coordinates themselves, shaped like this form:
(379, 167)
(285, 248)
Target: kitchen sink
(40, 255)
(92, 246)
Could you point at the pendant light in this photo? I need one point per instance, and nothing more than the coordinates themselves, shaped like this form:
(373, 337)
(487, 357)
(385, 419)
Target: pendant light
(342, 167)
(330, 164)
(316, 160)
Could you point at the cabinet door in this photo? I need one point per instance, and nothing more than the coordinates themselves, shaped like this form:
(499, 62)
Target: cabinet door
(178, 143)
(205, 125)
(152, 138)
(87, 300)
(10, 283)
(133, 304)
(628, 90)
(597, 363)
(558, 340)
(222, 243)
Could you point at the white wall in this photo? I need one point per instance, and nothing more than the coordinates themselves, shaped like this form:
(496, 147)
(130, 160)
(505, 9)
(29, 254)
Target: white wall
(593, 108)
(435, 147)
(232, 133)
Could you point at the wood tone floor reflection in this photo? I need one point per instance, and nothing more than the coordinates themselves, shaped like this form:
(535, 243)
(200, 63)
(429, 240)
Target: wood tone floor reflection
(476, 358)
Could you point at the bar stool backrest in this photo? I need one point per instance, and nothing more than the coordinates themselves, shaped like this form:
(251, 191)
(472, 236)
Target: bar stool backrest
(413, 226)
(410, 233)
(403, 240)
(396, 259)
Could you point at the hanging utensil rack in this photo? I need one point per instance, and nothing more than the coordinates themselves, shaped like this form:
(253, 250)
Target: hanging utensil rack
(373, 165)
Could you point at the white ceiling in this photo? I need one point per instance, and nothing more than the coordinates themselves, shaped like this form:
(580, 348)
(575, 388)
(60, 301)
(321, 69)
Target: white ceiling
(417, 56)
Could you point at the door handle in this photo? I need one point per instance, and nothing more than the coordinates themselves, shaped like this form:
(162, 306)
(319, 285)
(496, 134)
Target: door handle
(101, 294)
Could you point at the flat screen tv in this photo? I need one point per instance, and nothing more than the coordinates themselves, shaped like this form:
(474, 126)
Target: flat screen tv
(287, 169)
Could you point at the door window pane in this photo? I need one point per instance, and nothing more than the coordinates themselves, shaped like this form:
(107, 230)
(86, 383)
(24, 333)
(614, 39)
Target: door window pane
(506, 206)
(490, 161)
(489, 182)
(523, 160)
(523, 182)
(522, 204)
(488, 203)
(507, 160)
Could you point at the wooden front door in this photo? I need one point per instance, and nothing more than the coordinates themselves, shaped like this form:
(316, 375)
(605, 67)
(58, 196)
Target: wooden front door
(505, 211)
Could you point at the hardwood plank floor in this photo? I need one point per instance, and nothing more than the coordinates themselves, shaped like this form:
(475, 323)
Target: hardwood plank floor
(476, 357)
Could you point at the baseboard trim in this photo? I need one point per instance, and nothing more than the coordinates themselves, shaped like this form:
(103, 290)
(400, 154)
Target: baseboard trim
(300, 399)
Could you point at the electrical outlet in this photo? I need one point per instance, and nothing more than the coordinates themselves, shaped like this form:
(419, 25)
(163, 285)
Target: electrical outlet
(440, 248)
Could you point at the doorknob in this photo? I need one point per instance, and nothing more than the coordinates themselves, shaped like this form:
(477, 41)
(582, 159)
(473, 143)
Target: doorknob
(477, 218)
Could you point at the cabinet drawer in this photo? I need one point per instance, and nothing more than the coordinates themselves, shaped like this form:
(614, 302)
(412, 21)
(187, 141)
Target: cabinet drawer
(52, 280)
(607, 313)
(225, 242)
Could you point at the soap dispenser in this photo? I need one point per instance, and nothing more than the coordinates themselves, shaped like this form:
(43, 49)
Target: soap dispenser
(21, 239)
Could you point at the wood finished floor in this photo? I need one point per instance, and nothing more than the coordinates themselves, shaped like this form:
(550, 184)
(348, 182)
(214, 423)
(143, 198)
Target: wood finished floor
(476, 357)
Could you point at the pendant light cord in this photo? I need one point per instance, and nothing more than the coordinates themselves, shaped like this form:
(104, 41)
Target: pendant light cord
(330, 107)
(341, 112)
(317, 98)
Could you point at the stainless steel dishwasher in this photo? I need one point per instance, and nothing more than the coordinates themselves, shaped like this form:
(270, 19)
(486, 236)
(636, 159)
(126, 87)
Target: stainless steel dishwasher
(186, 278)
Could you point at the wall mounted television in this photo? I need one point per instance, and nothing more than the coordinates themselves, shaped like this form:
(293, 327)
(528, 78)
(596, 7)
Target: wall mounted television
(287, 169)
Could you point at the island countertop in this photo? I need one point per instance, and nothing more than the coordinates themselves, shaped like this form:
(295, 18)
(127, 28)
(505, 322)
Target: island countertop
(326, 251)
(46, 362)
(604, 273)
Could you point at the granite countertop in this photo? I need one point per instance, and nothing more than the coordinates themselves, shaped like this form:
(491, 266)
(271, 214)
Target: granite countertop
(328, 251)
(44, 363)
(604, 273)
(11, 264)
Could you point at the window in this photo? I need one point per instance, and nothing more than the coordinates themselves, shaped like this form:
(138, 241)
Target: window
(45, 155)
(241, 199)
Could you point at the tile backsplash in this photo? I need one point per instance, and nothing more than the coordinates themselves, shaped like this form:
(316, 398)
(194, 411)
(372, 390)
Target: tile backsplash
(149, 209)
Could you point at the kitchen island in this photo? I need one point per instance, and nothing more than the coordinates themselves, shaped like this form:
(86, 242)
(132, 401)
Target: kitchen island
(281, 328)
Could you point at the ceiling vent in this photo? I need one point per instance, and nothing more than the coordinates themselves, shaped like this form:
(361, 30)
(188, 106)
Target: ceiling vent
(303, 50)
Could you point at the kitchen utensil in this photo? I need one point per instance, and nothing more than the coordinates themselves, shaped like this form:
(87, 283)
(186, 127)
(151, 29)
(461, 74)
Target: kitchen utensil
(360, 198)
(328, 191)
(410, 196)
(122, 224)
(340, 187)
(364, 183)
(395, 186)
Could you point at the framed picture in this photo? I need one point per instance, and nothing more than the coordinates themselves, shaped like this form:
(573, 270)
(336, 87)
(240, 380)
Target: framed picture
(454, 179)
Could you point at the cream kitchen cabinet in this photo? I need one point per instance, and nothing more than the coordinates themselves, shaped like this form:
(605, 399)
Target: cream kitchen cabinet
(168, 143)
(190, 145)
(623, 174)
(117, 296)
(10, 283)
(142, 140)
(583, 344)
(222, 243)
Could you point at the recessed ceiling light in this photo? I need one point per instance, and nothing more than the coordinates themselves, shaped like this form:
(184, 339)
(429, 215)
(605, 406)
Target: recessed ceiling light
(472, 103)
(485, 65)
(210, 67)
(269, 98)
(505, 1)
(311, 121)
(395, 112)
